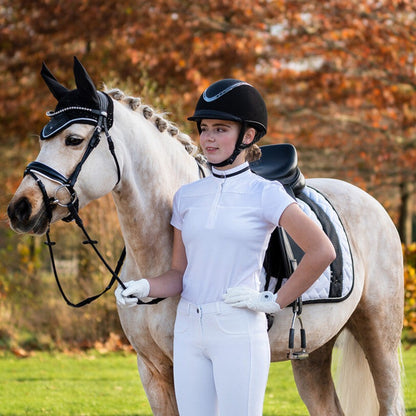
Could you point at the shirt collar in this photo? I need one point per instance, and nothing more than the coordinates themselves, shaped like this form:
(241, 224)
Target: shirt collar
(230, 172)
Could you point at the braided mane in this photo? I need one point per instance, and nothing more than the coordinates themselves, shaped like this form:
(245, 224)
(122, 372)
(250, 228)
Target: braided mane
(159, 120)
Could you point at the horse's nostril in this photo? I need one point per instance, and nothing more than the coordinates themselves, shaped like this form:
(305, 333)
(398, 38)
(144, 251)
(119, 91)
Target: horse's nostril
(21, 210)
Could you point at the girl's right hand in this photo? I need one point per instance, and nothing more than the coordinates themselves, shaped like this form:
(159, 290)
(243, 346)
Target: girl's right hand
(135, 289)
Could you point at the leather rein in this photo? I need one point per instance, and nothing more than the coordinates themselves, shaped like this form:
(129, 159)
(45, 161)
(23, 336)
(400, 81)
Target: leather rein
(36, 169)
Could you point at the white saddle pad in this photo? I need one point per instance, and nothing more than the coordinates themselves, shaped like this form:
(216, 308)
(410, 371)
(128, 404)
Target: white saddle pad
(319, 291)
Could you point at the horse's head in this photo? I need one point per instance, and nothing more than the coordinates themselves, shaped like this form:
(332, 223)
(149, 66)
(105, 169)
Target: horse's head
(74, 166)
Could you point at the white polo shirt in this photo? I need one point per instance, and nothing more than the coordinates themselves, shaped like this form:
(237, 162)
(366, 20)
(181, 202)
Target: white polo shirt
(226, 223)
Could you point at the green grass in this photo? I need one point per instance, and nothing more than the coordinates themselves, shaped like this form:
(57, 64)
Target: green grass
(108, 385)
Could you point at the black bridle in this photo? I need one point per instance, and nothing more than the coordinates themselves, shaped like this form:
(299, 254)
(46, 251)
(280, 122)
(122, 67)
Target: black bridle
(36, 169)
(102, 124)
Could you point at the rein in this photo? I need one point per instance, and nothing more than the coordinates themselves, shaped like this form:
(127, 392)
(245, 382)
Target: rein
(93, 243)
(37, 168)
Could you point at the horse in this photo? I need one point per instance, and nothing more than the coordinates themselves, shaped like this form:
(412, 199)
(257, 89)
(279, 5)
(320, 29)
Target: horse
(149, 159)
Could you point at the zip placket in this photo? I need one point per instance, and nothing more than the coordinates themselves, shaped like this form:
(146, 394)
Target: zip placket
(213, 212)
(222, 177)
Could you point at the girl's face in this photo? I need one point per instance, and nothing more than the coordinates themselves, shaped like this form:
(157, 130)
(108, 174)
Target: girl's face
(218, 139)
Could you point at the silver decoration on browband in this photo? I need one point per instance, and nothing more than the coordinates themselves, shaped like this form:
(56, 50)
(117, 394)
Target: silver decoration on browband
(55, 113)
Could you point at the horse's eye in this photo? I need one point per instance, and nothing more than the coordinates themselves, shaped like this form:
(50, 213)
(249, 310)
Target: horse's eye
(73, 141)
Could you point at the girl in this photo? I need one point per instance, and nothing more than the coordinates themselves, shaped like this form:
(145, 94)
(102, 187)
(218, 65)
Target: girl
(222, 226)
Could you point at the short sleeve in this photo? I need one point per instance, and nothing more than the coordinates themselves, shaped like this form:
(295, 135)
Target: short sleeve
(177, 218)
(274, 201)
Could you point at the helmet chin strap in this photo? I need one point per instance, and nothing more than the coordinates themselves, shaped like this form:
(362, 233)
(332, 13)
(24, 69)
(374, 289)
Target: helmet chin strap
(237, 150)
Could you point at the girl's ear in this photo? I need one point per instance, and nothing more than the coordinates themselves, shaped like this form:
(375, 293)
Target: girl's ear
(249, 135)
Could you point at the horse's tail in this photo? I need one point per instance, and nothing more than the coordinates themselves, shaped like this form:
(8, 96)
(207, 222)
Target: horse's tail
(355, 385)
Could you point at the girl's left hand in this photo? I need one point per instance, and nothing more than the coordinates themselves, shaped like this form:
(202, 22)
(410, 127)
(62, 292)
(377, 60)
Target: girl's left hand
(244, 297)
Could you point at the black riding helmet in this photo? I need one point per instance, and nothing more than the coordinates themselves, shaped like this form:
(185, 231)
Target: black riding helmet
(231, 99)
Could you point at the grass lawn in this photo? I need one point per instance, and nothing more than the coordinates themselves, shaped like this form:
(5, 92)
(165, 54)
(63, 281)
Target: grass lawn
(108, 385)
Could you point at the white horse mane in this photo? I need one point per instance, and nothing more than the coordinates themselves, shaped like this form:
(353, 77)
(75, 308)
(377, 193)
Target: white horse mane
(158, 119)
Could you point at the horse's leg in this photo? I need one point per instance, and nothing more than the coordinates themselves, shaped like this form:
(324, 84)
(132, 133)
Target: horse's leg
(314, 382)
(377, 328)
(157, 380)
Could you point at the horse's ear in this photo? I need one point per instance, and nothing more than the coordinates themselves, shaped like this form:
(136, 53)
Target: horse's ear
(54, 86)
(84, 83)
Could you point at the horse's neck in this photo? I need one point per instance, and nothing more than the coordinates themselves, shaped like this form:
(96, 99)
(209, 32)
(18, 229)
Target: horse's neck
(155, 165)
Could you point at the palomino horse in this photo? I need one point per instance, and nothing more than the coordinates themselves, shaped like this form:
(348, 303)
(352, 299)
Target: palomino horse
(150, 160)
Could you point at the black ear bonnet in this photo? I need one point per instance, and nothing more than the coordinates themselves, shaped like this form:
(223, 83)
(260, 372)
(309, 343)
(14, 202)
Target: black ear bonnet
(82, 105)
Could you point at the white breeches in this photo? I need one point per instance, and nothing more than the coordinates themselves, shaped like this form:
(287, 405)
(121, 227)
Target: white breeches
(221, 360)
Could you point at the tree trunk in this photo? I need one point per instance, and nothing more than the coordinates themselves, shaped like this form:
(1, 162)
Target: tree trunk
(406, 212)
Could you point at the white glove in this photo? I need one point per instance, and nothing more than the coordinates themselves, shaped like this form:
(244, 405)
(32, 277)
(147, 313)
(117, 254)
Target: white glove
(135, 289)
(244, 297)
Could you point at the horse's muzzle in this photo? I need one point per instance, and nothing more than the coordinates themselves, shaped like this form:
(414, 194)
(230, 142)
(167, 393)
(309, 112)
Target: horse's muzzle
(24, 220)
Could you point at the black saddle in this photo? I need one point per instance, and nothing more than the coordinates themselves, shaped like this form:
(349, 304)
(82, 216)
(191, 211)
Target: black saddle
(279, 162)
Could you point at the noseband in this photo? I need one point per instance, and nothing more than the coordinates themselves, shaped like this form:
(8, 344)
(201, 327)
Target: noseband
(36, 169)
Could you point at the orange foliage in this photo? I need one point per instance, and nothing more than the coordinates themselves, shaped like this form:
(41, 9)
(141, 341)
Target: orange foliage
(409, 324)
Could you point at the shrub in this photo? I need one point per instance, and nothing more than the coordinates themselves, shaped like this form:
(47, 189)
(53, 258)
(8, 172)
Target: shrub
(409, 325)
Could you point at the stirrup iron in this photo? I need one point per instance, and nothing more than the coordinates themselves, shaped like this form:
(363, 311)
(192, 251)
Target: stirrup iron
(301, 354)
